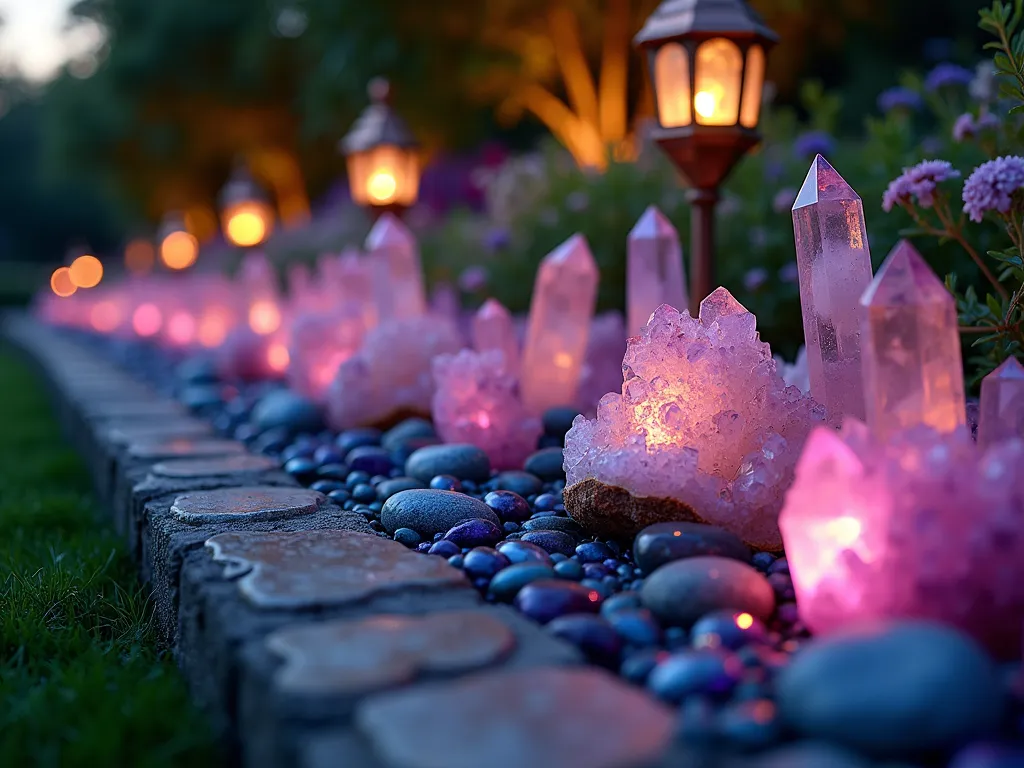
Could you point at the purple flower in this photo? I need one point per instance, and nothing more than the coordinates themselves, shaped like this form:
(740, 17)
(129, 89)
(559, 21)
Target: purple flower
(988, 122)
(948, 76)
(784, 199)
(964, 128)
(790, 273)
(917, 184)
(992, 185)
(899, 98)
(497, 240)
(812, 143)
(577, 201)
(473, 279)
(755, 278)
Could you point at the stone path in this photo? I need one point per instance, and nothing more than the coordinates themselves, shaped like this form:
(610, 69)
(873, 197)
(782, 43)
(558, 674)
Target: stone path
(311, 641)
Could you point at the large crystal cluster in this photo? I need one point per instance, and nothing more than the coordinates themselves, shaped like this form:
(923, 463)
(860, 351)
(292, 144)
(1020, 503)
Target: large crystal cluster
(477, 401)
(923, 524)
(703, 418)
(391, 373)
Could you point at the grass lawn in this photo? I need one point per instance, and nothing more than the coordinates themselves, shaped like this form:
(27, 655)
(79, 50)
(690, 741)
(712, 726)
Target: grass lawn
(81, 683)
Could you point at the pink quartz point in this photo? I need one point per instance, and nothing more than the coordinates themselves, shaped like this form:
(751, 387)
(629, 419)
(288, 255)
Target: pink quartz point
(654, 269)
(1002, 404)
(355, 286)
(834, 264)
(444, 301)
(397, 271)
(493, 330)
(913, 373)
(562, 307)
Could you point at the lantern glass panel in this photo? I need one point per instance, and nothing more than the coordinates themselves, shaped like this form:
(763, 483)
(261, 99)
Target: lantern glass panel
(719, 68)
(753, 85)
(385, 175)
(672, 84)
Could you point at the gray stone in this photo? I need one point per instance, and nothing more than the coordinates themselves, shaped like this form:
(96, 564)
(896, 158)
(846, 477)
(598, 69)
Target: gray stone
(518, 481)
(242, 464)
(542, 718)
(122, 409)
(554, 523)
(802, 754)
(349, 657)
(131, 432)
(464, 461)
(410, 429)
(682, 591)
(286, 409)
(557, 421)
(430, 511)
(183, 448)
(546, 464)
(662, 543)
(251, 503)
(389, 488)
(892, 690)
(305, 570)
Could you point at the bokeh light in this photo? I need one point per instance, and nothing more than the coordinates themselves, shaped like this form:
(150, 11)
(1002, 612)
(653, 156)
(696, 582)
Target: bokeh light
(147, 319)
(264, 317)
(86, 271)
(139, 257)
(181, 328)
(61, 283)
(213, 328)
(247, 223)
(105, 316)
(179, 250)
(278, 357)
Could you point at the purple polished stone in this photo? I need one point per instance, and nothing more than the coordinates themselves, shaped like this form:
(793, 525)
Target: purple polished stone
(475, 533)
(508, 505)
(523, 552)
(595, 637)
(369, 459)
(548, 599)
(444, 548)
(552, 541)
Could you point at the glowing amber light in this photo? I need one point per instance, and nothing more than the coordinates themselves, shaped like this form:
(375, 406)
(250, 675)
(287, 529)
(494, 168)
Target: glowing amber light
(744, 621)
(147, 319)
(181, 328)
(179, 250)
(264, 317)
(86, 271)
(719, 68)
(381, 186)
(278, 357)
(139, 257)
(704, 102)
(384, 175)
(60, 282)
(105, 316)
(247, 224)
(672, 77)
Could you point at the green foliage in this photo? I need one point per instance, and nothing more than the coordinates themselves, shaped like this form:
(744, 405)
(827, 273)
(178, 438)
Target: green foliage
(80, 680)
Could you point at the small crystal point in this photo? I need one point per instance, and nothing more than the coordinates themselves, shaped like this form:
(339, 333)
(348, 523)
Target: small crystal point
(718, 304)
(493, 330)
(397, 272)
(913, 373)
(654, 269)
(562, 307)
(834, 264)
(1002, 404)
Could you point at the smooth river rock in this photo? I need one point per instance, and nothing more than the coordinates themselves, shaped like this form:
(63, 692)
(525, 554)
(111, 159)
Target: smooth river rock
(546, 464)
(428, 511)
(662, 543)
(682, 591)
(464, 461)
(283, 408)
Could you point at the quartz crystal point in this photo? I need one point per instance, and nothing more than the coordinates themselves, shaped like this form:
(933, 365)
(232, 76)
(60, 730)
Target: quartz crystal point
(834, 265)
(319, 343)
(654, 269)
(391, 372)
(561, 310)
(444, 302)
(477, 401)
(602, 365)
(703, 418)
(397, 273)
(796, 374)
(354, 285)
(913, 373)
(923, 525)
(493, 330)
(1002, 404)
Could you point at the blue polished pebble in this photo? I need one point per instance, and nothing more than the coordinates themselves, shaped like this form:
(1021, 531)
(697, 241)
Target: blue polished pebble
(444, 548)
(552, 541)
(592, 635)
(327, 454)
(407, 536)
(509, 506)
(303, 470)
(370, 459)
(600, 587)
(546, 600)
(337, 471)
(557, 557)
(357, 477)
(594, 571)
(762, 560)
(357, 438)
(524, 552)
(727, 629)
(593, 552)
(505, 585)
(637, 666)
(702, 672)
(340, 496)
(483, 562)
(624, 601)
(445, 483)
(296, 451)
(327, 486)
(455, 561)
(364, 493)
(546, 502)
(569, 569)
(637, 627)
(779, 566)
(475, 532)
(509, 527)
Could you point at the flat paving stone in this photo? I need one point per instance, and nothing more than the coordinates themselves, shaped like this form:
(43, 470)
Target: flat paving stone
(348, 657)
(183, 448)
(229, 504)
(143, 408)
(303, 570)
(242, 464)
(541, 718)
(178, 428)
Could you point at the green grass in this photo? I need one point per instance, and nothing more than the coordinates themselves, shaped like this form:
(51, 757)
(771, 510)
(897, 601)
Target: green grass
(81, 681)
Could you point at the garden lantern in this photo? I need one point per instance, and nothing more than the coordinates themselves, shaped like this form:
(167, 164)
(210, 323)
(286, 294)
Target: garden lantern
(707, 63)
(179, 248)
(246, 215)
(382, 156)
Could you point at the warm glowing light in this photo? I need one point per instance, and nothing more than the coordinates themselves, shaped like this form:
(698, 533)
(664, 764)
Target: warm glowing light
(264, 317)
(704, 102)
(381, 186)
(563, 360)
(672, 84)
(278, 357)
(86, 271)
(147, 320)
(247, 224)
(744, 620)
(181, 328)
(179, 250)
(843, 531)
(105, 316)
(212, 330)
(594, 596)
(61, 283)
(482, 419)
(718, 70)
(139, 257)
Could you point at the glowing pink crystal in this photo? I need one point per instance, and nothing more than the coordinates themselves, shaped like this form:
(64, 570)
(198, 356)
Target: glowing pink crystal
(703, 417)
(493, 329)
(654, 269)
(1002, 404)
(264, 312)
(834, 265)
(444, 302)
(602, 365)
(397, 272)
(913, 373)
(477, 401)
(319, 344)
(354, 285)
(923, 525)
(561, 309)
(391, 372)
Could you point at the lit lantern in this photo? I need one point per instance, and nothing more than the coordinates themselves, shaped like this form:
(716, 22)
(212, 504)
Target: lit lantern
(246, 215)
(86, 271)
(179, 249)
(707, 64)
(382, 156)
